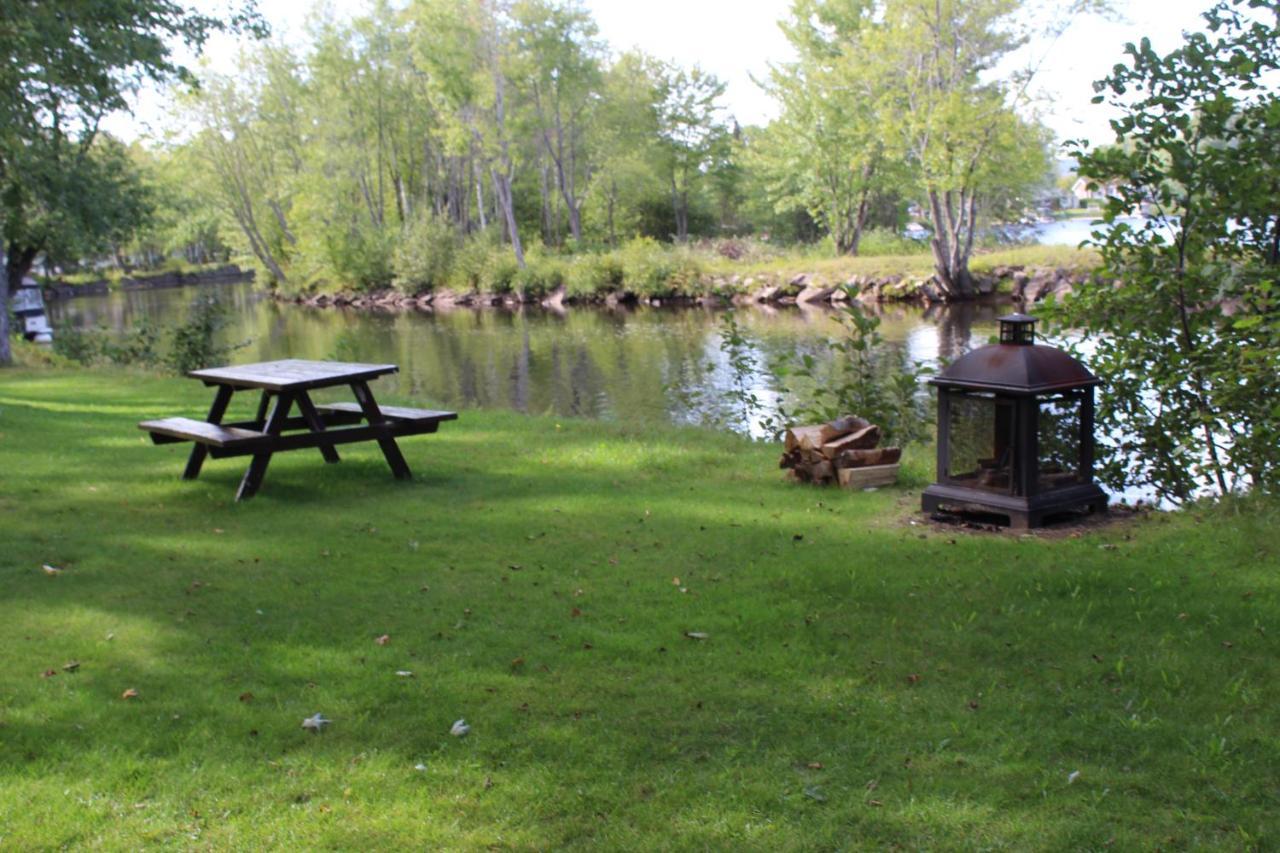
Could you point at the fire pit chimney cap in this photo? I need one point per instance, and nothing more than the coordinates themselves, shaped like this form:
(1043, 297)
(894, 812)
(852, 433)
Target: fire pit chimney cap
(1017, 329)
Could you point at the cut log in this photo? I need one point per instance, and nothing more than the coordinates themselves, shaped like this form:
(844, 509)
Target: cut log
(849, 423)
(862, 458)
(864, 478)
(860, 439)
(823, 472)
(810, 456)
(809, 437)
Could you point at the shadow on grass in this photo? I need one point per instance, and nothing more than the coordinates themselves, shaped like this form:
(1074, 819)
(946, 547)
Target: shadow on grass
(862, 681)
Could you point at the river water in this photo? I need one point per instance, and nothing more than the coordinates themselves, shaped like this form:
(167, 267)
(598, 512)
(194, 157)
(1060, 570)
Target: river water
(643, 365)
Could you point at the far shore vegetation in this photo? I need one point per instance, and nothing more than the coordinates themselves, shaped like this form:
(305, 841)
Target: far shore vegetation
(651, 268)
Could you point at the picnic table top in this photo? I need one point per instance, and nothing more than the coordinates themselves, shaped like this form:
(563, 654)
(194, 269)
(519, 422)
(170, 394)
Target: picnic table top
(291, 374)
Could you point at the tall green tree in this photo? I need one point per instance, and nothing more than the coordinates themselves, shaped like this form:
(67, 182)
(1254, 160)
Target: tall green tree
(465, 48)
(957, 129)
(558, 71)
(692, 134)
(826, 151)
(1184, 322)
(63, 68)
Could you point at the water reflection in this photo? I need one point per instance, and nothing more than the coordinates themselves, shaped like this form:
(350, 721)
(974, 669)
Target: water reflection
(642, 364)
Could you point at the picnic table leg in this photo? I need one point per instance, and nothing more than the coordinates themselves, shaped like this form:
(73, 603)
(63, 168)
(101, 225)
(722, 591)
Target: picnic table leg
(390, 450)
(198, 453)
(258, 467)
(312, 417)
(260, 419)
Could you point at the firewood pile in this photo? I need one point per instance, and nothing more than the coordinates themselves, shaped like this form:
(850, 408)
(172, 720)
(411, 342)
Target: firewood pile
(844, 451)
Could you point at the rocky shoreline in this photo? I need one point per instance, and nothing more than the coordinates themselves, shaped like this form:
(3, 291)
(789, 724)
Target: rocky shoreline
(1007, 283)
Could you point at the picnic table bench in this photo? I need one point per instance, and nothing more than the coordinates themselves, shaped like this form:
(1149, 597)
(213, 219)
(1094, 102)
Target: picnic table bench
(284, 385)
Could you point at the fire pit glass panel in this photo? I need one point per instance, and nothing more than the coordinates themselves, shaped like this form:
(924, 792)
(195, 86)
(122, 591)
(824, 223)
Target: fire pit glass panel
(1060, 445)
(980, 428)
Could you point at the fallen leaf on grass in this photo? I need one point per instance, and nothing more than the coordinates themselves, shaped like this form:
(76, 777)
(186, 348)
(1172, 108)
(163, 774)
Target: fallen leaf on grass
(421, 768)
(814, 765)
(49, 673)
(316, 723)
(875, 803)
(383, 640)
(131, 693)
(488, 782)
(246, 696)
(516, 663)
(71, 666)
(913, 678)
(575, 613)
(697, 635)
(52, 571)
(1073, 776)
(404, 673)
(459, 728)
(675, 581)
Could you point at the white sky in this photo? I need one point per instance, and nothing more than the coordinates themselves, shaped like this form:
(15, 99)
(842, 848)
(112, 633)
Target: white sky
(736, 39)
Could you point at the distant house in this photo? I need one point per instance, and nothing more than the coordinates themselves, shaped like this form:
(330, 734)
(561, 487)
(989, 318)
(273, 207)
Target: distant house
(1086, 190)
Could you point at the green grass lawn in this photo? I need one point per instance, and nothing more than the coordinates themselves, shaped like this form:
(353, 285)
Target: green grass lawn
(864, 682)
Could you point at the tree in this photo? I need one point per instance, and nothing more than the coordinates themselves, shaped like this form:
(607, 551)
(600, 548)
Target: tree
(251, 142)
(558, 60)
(464, 47)
(825, 152)
(691, 134)
(63, 67)
(1183, 324)
(959, 131)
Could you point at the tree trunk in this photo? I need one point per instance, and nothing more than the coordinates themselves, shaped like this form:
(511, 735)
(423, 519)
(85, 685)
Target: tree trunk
(6, 354)
(952, 242)
(680, 206)
(17, 264)
(502, 189)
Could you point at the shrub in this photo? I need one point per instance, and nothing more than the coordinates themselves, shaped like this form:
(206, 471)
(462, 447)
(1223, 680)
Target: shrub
(592, 274)
(138, 347)
(197, 343)
(542, 274)
(359, 257)
(83, 346)
(651, 269)
(425, 255)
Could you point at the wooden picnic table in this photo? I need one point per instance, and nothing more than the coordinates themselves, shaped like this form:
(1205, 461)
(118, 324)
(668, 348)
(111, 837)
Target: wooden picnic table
(283, 385)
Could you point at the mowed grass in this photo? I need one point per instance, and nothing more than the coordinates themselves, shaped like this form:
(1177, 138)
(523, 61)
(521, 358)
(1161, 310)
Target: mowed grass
(864, 682)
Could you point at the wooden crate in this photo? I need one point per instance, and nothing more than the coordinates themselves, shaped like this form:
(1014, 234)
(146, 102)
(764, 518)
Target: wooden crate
(868, 476)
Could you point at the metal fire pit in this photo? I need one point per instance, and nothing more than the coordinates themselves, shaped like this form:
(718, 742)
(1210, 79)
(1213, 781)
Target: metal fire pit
(1015, 431)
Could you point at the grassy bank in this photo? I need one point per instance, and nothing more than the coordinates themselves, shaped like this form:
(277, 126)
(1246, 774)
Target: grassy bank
(647, 268)
(863, 681)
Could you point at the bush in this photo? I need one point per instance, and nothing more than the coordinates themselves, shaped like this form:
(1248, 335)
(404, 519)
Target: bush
(139, 347)
(651, 269)
(541, 275)
(592, 274)
(360, 257)
(425, 255)
(83, 346)
(197, 343)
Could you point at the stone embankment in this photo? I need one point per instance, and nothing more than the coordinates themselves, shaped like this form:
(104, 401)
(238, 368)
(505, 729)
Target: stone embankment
(1011, 283)
(229, 274)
